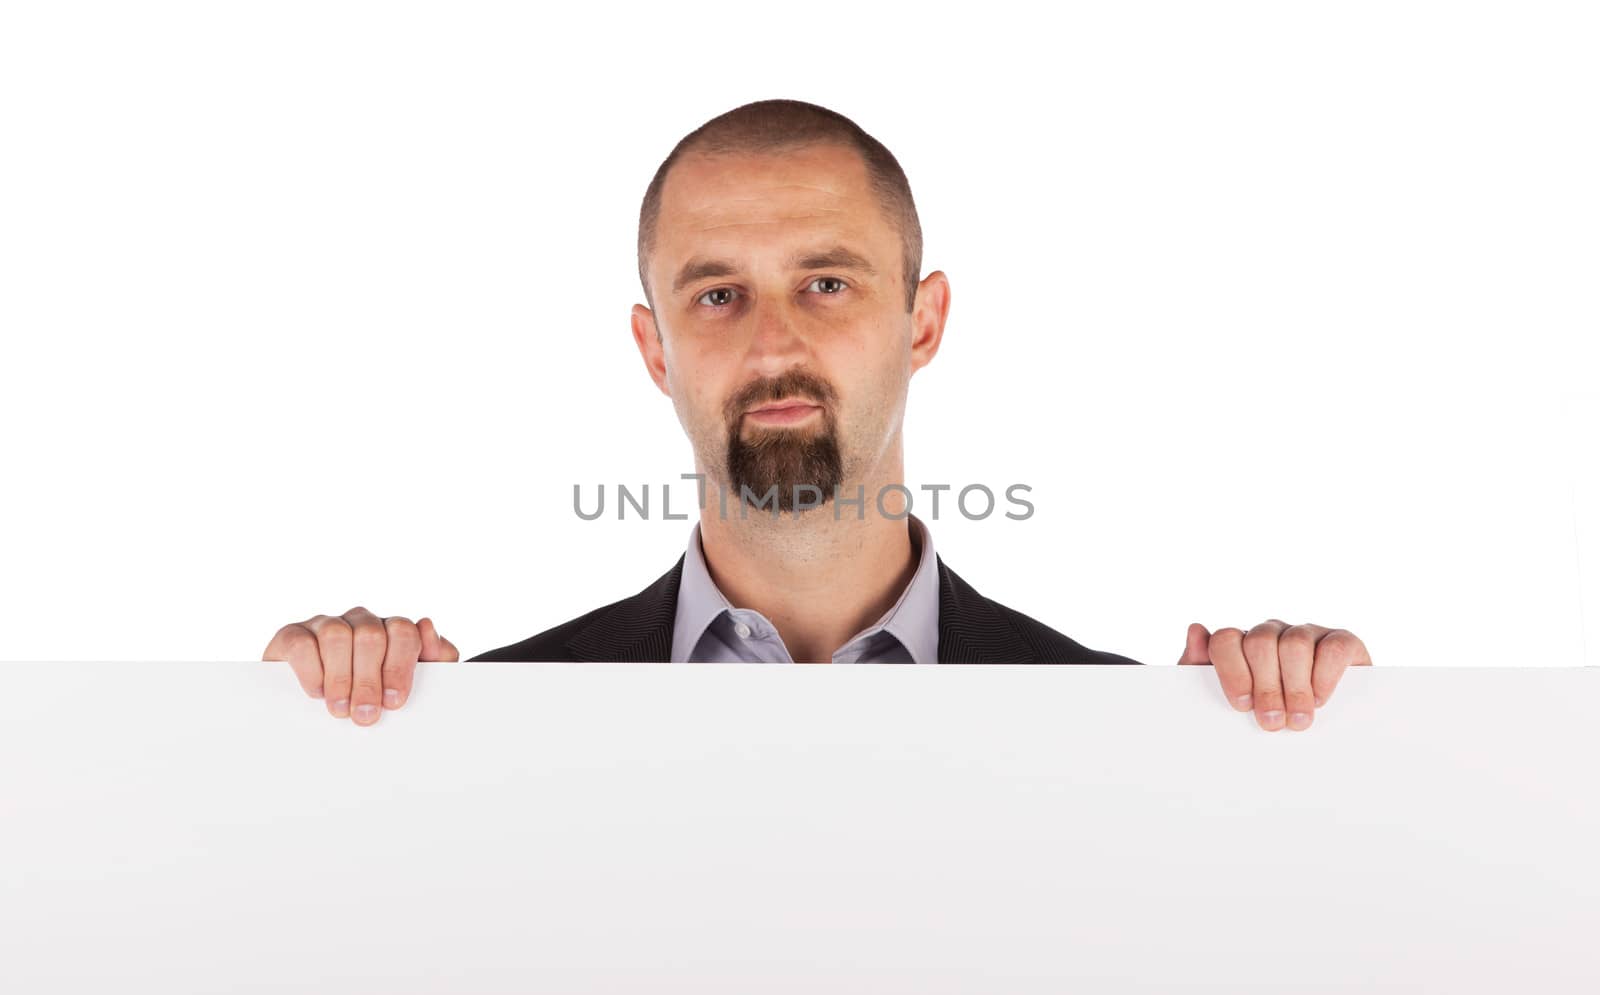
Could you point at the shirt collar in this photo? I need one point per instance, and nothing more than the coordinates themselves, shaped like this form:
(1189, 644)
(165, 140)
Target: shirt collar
(913, 619)
(699, 601)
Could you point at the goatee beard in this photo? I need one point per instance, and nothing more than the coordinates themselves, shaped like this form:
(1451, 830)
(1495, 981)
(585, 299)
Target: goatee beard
(783, 460)
(787, 462)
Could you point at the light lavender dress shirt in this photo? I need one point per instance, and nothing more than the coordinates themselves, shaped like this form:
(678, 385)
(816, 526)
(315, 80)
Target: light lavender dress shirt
(708, 629)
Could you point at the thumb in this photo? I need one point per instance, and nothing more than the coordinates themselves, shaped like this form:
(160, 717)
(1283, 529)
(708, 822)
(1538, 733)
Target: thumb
(1197, 648)
(434, 646)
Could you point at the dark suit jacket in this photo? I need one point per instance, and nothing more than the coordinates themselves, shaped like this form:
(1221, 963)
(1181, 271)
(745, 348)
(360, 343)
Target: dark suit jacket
(638, 629)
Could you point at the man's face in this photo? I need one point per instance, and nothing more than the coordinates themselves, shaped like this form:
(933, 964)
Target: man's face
(778, 279)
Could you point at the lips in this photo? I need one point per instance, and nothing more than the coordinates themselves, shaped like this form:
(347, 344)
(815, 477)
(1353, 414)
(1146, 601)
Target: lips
(782, 406)
(782, 413)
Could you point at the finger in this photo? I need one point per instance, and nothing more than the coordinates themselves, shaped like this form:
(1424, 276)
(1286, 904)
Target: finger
(1194, 649)
(298, 645)
(333, 642)
(369, 643)
(1296, 645)
(1261, 653)
(1233, 673)
(400, 660)
(1317, 632)
(1337, 650)
(434, 646)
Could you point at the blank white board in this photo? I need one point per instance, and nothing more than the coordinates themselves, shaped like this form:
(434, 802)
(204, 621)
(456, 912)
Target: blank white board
(205, 827)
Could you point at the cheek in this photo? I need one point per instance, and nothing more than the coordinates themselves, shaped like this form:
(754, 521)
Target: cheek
(696, 392)
(874, 396)
(873, 367)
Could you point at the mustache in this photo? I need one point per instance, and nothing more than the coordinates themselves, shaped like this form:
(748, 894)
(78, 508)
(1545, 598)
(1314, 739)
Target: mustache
(797, 382)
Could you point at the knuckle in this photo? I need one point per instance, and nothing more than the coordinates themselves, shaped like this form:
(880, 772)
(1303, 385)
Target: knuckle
(1341, 641)
(405, 635)
(368, 635)
(335, 632)
(1259, 636)
(1299, 636)
(398, 671)
(366, 687)
(295, 640)
(296, 634)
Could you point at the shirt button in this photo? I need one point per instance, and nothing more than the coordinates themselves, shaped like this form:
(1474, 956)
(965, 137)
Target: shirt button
(743, 630)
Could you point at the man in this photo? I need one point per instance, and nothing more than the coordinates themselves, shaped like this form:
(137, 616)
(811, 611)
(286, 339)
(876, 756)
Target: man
(779, 253)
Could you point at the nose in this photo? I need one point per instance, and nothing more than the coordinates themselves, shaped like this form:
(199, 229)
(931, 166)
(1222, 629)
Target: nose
(776, 340)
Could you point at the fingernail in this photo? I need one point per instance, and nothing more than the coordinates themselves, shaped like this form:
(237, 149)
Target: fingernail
(1319, 702)
(1299, 720)
(391, 697)
(366, 713)
(316, 692)
(1243, 701)
(1272, 717)
(341, 708)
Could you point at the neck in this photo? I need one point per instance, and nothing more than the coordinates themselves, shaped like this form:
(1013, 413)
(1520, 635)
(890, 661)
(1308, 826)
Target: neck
(817, 579)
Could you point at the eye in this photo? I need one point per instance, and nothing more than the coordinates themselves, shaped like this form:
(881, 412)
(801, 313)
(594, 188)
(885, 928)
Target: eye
(718, 290)
(829, 279)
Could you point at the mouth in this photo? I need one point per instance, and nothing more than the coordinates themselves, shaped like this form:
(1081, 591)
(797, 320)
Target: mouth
(783, 412)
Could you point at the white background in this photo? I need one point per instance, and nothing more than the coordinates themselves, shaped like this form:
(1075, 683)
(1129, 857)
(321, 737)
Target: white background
(1278, 308)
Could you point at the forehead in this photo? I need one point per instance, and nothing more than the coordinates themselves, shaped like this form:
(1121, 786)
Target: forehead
(728, 199)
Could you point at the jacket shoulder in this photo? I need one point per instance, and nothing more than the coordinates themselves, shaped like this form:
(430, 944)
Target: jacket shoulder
(548, 646)
(636, 628)
(1052, 646)
(977, 629)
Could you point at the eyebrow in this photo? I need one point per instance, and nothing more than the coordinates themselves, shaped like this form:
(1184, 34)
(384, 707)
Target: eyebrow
(832, 257)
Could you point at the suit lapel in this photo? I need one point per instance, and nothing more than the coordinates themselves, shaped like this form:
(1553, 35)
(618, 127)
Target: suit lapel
(636, 629)
(970, 630)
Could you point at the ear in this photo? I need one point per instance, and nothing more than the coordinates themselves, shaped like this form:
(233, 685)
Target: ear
(648, 338)
(927, 318)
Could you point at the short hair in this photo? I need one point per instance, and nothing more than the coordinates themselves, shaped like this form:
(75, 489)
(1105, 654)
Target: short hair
(766, 126)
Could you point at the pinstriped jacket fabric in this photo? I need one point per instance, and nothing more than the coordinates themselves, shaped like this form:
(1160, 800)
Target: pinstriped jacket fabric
(638, 629)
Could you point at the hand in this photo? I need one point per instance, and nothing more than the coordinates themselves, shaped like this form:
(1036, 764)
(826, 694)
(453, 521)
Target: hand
(1275, 661)
(357, 659)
